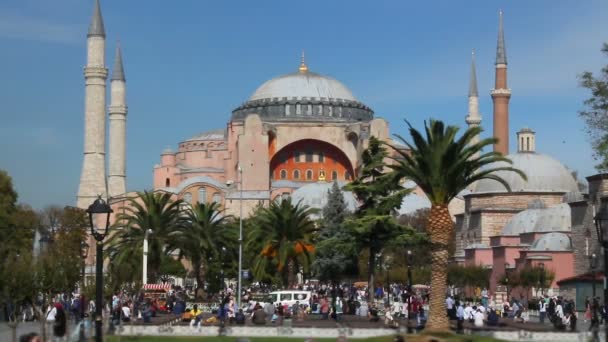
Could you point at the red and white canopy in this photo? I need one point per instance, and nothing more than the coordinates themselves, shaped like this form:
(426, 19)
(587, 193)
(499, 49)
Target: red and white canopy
(165, 286)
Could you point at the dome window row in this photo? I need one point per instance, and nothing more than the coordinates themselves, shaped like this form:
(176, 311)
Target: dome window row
(310, 175)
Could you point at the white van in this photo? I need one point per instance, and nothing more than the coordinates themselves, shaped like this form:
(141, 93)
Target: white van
(290, 297)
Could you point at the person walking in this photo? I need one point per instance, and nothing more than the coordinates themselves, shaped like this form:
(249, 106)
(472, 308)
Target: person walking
(542, 311)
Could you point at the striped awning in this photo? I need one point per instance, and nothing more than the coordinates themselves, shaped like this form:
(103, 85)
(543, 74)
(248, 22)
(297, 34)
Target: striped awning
(165, 286)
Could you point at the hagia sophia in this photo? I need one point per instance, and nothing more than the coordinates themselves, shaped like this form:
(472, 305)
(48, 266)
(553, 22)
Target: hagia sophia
(299, 132)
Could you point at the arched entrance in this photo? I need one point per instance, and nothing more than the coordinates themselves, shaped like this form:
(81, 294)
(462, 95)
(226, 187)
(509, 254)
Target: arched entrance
(310, 160)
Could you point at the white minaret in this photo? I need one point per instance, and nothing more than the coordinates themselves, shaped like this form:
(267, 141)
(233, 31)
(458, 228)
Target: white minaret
(118, 129)
(93, 176)
(473, 119)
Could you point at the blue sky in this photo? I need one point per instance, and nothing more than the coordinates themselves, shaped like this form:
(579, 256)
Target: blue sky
(189, 63)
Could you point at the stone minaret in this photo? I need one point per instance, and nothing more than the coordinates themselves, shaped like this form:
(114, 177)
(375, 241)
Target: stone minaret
(118, 133)
(473, 119)
(501, 95)
(93, 175)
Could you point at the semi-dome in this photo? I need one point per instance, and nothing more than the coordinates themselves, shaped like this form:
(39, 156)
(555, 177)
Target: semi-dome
(315, 195)
(214, 134)
(553, 219)
(553, 242)
(304, 96)
(544, 173)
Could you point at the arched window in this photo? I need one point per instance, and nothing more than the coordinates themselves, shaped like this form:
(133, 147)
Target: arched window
(167, 182)
(309, 156)
(188, 197)
(527, 143)
(202, 195)
(296, 157)
(347, 175)
(334, 175)
(321, 157)
(217, 198)
(283, 174)
(308, 174)
(296, 174)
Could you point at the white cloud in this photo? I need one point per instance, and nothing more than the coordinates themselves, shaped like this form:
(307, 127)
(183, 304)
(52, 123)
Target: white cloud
(14, 25)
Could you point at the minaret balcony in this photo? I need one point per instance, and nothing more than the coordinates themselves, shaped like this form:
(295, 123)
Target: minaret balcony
(502, 91)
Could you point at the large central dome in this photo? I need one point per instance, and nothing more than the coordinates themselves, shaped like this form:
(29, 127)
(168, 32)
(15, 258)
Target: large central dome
(303, 85)
(304, 96)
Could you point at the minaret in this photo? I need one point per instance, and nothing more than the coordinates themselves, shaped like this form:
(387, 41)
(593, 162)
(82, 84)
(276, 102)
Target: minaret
(93, 175)
(473, 119)
(118, 134)
(501, 95)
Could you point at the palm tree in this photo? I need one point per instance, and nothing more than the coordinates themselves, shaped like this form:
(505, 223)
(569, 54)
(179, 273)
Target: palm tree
(154, 211)
(283, 234)
(442, 166)
(203, 235)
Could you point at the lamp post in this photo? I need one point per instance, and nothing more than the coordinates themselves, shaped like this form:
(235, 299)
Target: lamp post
(84, 253)
(99, 212)
(145, 258)
(601, 223)
(222, 258)
(594, 320)
(542, 277)
(238, 300)
(409, 290)
(507, 279)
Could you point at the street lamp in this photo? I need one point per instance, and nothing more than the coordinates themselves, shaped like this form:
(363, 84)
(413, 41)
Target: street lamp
(222, 258)
(99, 212)
(542, 277)
(409, 289)
(594, 321)
(145, 258)
(238, 300)
(601, 223)
(507, 279)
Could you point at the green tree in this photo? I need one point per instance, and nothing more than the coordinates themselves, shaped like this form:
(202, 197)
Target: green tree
(155, 212)
(595, 113)
(443, 165)
(283, 235)
(374, 225)
(206, 230)
(8, 199)
(336, 252)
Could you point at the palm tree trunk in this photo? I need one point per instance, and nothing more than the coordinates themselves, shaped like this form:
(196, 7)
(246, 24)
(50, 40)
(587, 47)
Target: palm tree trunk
(440, 228)
(290, 274)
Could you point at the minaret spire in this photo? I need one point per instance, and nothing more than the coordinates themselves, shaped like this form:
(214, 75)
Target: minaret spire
(473, 79)
(93, 175)
(96, 27)
(118, 72)
(473, 119)
(117, 175)
(501, 52)
(501, 94)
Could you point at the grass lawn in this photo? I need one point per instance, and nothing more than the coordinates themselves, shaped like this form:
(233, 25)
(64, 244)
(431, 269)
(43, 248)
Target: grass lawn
(448, 338)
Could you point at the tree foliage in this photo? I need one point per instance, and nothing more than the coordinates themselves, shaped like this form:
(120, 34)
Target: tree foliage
(282, 235)
(203, 235)
(379, 193)
(153, 211)
(595, 113)
(336, 252)
(443, 165)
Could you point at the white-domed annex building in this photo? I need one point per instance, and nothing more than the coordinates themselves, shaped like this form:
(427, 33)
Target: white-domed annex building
(525, 227)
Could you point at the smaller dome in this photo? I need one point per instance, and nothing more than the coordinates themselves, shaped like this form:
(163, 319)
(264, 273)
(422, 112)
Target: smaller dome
(553, 242)
(553, 219)
(544, 173)
(314, 195)
(215, 134)
(168, 150)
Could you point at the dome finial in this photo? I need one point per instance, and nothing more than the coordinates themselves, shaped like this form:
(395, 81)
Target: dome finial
(303, 66)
